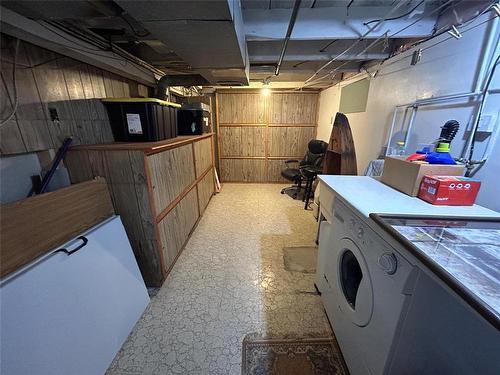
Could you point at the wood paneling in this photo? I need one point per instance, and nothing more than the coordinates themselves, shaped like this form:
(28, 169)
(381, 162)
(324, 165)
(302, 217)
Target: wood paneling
(275, 166)
(11, 140)
(205, 190)
(244, 108)
(293, 108)
(202, 155)
(289, 123)
(79, 166)
(126, 177)
(176, 226)
(46, 80)
(290, 141)
(33, 226)
(243, 170)
(242, 140)
(153, 193)
(171, 172)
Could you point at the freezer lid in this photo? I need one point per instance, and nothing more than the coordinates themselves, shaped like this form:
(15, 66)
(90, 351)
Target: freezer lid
(463, 252)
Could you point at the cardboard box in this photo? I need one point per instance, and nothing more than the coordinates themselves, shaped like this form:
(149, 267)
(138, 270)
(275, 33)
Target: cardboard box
(449, 190)
(406, 176)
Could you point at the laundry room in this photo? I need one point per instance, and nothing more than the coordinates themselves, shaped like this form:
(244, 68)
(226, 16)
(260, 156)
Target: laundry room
(249, 187)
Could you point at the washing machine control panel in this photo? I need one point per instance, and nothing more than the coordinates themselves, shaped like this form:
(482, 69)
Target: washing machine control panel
(357, 229)
(363, 235)
(354, 226)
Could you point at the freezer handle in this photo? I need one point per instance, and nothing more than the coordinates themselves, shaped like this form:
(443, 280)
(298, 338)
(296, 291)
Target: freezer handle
(69, 252)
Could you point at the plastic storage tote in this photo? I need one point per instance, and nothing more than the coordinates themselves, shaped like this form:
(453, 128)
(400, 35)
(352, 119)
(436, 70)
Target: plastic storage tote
(193, 121)
(142, 119)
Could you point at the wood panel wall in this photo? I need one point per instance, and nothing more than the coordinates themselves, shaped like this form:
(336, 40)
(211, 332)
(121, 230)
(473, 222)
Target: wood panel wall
(257, 133)
(158, 195)
(48, 81)
(177, 225)
(171, 172)
(205, 190)
(202, 155)
(126, 177)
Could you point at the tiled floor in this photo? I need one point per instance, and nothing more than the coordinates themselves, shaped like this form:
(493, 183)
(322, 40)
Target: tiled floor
(228, 282)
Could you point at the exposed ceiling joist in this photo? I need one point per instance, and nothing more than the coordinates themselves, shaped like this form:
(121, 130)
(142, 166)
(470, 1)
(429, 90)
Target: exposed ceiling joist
(235, 41)
(333, 23)
(316, 50)
(40, 34)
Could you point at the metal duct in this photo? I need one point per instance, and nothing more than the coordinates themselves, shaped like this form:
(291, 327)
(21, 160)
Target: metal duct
(208, 35)
(177, 80)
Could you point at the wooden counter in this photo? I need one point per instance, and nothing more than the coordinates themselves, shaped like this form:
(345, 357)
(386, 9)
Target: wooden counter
(147, 147)
(160, 190)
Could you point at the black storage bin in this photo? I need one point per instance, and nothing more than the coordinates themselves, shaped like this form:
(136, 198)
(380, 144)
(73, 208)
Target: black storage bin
(142, 119)
(193, 121)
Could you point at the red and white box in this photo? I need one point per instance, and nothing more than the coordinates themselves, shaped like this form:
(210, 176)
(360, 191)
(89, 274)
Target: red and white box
(449, 190)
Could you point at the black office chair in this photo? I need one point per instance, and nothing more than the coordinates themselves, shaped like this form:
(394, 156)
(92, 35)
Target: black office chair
(313, 161)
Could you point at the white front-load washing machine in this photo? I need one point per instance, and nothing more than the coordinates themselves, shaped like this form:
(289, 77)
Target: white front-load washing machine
(367, 285)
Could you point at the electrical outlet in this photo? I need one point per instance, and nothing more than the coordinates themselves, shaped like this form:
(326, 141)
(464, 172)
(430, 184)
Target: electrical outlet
(487, 123)
(54, 116)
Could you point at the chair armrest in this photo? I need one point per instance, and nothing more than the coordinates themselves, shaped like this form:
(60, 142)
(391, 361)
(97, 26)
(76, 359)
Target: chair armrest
(291, 161)
(310, 171)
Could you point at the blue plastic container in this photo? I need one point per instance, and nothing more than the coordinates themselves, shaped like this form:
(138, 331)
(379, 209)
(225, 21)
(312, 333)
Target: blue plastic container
(441, 155)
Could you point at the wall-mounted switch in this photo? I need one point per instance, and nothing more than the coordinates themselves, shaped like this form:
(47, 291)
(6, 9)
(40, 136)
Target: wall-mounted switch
(487, 123)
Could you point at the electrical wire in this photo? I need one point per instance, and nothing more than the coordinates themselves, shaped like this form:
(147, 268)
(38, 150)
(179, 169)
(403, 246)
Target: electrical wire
(414, 22)
(83, 48)
(348, 6)
(433, 36)
(354, 44)
(463, 24)
(125, 60)
(14, 83)
(422, 41)
(481, 105)
(437, 43)
(397, 17)
(328, 45)
(421, 18)
(315, 82)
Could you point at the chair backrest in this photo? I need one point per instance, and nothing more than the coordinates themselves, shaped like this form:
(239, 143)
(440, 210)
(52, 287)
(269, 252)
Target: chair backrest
(315, 153)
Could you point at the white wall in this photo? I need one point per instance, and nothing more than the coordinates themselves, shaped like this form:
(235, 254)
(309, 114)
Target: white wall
(450, 67)
(362, 133)
(329, 101)
(16, 172)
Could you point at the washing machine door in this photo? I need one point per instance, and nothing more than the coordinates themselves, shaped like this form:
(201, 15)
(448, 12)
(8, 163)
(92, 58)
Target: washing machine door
(355, 292)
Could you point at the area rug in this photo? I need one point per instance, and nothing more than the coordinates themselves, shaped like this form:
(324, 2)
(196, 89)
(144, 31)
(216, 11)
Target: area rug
(311, 356)
(300, 259)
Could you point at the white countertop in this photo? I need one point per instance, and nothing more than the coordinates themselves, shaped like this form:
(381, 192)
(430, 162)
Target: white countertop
(368, 195)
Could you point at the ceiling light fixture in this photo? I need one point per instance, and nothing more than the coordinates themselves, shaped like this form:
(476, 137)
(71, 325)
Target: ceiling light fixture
(265, 86)
(265, 90)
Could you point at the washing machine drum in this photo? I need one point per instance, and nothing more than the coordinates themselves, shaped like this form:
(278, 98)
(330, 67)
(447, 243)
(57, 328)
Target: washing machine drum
(355, 292)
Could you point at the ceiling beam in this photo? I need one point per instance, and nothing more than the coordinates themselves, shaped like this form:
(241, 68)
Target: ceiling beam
(319, 50)
(33, 32)
(333, 23)
(318, 57)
